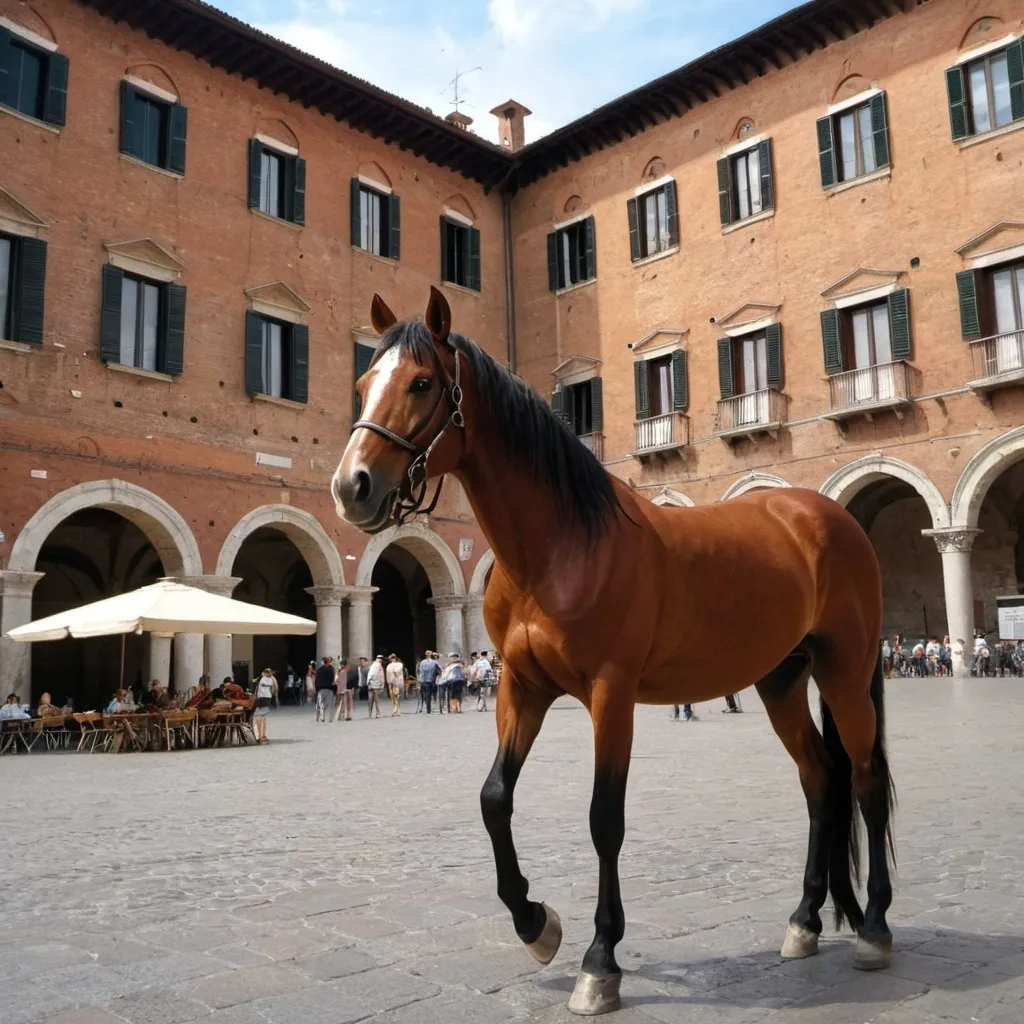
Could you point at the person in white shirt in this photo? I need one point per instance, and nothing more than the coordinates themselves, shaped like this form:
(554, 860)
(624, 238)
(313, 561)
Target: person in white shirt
(482, 673)
(395, 677)
(375, 683)
(12, 709)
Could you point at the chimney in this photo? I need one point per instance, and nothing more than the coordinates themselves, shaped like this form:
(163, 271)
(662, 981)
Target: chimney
(511, 124)
(459, 120)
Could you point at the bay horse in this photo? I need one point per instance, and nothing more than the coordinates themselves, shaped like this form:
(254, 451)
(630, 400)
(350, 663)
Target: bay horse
(601, 594)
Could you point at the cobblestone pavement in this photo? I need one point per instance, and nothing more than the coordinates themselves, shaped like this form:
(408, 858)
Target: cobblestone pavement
(342, 873)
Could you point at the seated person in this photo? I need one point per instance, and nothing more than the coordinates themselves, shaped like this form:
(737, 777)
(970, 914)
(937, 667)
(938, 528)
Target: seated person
(122, 702)
(234, 693)
(202, 697)
(12, 709)
(159, 698)
(46, 708)
(69, 707)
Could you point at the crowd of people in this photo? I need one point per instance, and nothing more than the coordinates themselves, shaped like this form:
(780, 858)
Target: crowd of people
(933, 657)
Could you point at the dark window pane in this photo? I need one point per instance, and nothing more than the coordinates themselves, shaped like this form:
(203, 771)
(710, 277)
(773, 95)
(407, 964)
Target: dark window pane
(659, 385)
(457, 247)
(5, 288)
(25, 80)
(150, 138)
(582, 413)
(270, 184)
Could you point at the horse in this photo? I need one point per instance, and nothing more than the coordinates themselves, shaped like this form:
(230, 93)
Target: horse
(598, 593)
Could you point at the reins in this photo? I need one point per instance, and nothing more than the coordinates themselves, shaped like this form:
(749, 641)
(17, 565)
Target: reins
(413, 489)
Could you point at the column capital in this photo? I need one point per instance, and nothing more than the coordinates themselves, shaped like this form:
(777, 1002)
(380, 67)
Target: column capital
(447, 602)
(474, 601)
(222, 586)
(18, 584)
(360, 595)
(327, 597)
(953, 538)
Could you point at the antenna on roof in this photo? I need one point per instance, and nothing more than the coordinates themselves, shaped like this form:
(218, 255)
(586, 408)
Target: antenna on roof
(458, 97)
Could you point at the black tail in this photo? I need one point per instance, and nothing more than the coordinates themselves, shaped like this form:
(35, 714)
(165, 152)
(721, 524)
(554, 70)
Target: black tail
(844, 852)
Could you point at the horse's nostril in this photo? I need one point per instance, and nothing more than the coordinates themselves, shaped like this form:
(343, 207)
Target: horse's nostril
(361, 485)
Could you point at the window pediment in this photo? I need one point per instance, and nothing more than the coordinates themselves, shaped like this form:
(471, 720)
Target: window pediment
(1001, 242)
(18, 219)
(279, 301)
(862, 285)
(145, 257)
(751, 316)
(658, 343)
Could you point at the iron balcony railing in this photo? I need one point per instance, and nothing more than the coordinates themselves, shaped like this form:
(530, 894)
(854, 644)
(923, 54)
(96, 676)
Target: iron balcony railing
(595, 442)
(668, 431)
(998, 355)
(881, 385)
(753, 410)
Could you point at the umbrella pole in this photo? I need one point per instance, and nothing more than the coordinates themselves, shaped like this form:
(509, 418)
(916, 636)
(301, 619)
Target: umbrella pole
(120, 678)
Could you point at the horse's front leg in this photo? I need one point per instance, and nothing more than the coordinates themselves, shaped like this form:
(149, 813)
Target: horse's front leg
(611, 710)
(520, 714)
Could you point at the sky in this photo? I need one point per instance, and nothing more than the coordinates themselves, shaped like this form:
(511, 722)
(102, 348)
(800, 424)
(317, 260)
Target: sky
(560, 58)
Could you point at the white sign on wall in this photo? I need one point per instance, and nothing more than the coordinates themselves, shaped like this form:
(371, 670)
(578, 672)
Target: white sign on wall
(1011, 617)
(465, 549)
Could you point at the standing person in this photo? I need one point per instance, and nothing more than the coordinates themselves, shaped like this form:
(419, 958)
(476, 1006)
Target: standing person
(426, 675)
(732, 705)
(687, 715)
(395, 676)
(341, 688)
(266, 697)
(483, 672)
(325, 681)
(443, 689)
(310, 682)
(351, 686)
(454, 681)
(375, 683)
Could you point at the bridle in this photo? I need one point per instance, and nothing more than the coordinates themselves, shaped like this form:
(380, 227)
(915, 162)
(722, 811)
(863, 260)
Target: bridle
(412, 492)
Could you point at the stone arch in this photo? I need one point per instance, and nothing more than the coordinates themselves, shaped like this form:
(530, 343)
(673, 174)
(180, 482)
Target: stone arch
(483, 567)
(156, 75)
(978, 475)
(668, 496)
(460, 204)
(753, 482)
(277, 128)
(745, 127)
(842, 485)
(28, 17)
(166, 530)
(654, 169)
(981, 30)
(301, 528)
(850, 85)
(438, 560)
(573, 206)
(373, 171)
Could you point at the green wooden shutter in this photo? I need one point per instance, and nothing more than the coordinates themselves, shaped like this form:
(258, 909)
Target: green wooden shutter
(30, 294)
(55, 97)
(473, 264)
(899, 323)
(880, 129)
(827, 153)
(833, 350)
(680, 382)
(298, 190)
(363, 357)
(444, 248)
(127, 119)
(355, 213)
(553, 261)
(967, 292)
(773, 346)
(5, 38)
(110, 315)
(725, 203)
(300, 363)
(394, 227)
(561, 404)
(178, 125)
(1015, 71)
(642, 389)
(956, 93)
(725, 381)
(764, 161)
(672, 213)
(633, 216)
(589, 249)
(174, 336)
(255, 172)
(254, 353)
(596, 405)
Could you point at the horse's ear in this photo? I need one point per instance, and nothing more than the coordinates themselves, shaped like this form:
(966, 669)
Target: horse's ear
(438, 316)
(380, 316)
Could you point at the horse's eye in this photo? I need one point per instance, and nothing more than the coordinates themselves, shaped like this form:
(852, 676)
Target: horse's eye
(420, 386)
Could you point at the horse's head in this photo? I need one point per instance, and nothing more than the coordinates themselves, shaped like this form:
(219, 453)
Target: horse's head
(411, 425)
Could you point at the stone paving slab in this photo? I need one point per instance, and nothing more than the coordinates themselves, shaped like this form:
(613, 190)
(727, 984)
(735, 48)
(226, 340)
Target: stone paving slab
(363, 893)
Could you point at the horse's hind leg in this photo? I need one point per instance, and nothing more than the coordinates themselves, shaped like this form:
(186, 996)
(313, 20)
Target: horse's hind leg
(520, 714)
(784, 693)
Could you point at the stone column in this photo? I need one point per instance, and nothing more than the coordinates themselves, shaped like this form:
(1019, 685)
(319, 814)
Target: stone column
(189, 660)
(160, 657)
(218, 645)
(476, 629)
(360, 621)
(955, 548)
(16, 610)
(328, 620)
(451, 634)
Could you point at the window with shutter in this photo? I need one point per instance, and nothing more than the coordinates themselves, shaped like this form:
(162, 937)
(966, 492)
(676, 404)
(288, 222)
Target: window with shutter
(26, 290)
(899, 324)
(653, 221)
(174, 331)
(142, 322)
(641, 385)
(256, 192)
(967, 293)
(277, 182)
(297, 212)
(276, 358)
(725, 214)
(680, 382)
(33, 81)
(178, 128)
(299, 363)
(854, 142)
(55, 98)
(571, 256)
(460, 254)
(831, 342)
(987, 93)
(394, 226)
(153, 130)
(363, 357)
(773, 345)
(725, 375)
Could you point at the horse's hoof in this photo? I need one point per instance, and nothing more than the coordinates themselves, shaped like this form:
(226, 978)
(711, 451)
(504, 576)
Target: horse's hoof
(544, 948)
(595, 995)
(873, 955)
(800, 942)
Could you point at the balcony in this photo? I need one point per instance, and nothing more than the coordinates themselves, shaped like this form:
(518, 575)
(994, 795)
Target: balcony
(593, 442)
(661, 435)
(751, 414)
(998, 362)
(869, 390)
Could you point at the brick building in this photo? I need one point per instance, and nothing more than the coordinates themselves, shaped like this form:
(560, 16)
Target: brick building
(796, 261)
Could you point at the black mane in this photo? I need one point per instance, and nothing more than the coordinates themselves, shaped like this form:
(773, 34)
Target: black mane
(527, 429)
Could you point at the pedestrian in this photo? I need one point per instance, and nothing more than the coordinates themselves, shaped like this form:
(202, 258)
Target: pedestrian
(325, 690)
(362, 690)
(454, 681)
(426, 675)
(266, 697)
(443, 706)
(687, 715)
(341, 688)
(395, 676)
(375, 683)
(351, 687)
(291, 685)
(732, 705)
(483, 672)
(310, 682)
